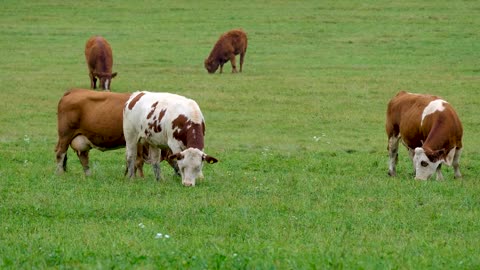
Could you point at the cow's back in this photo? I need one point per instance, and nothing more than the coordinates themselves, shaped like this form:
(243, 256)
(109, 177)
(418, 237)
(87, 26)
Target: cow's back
(97, 115)
(406, 116)
(157, 116)
(99, 54)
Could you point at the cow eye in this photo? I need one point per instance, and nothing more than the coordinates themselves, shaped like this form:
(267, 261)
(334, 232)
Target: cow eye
(424, 163)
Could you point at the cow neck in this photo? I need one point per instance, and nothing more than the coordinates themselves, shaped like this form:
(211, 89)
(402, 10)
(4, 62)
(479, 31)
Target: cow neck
(102, 57)
(195, 136)
(438, 137)
(189, 133)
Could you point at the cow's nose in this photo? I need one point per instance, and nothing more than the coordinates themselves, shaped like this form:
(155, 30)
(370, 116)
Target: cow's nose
(189, 184)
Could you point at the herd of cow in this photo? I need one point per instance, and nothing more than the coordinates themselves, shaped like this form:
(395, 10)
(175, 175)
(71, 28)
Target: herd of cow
(162, 126)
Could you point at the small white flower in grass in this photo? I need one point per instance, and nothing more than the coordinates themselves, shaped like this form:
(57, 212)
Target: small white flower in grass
(26, 139)
(141, 225)
(160, 235)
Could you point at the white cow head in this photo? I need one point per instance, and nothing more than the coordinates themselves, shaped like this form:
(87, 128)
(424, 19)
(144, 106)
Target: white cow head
(190, 164)
(426, 163)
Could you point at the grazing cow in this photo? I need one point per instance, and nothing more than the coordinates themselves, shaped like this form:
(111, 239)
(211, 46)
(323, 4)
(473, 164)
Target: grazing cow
(228, 45)
(169, 122)
(89, 119)
(100, 61)
(430, 129)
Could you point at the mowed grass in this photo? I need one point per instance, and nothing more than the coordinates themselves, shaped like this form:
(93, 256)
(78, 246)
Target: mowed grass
(302, 179)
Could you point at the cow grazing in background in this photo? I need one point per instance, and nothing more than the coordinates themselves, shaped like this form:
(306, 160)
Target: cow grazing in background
(430, 129)
(89, 119)
(169, 122)
(228, 45)
(100, 61)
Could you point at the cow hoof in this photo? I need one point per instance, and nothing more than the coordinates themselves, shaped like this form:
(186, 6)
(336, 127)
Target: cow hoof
(393, 174)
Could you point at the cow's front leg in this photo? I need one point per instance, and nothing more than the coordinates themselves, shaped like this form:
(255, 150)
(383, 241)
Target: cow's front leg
(411, 154)
(439, 172)
(393, 155)
(93, 81)
(234, 64)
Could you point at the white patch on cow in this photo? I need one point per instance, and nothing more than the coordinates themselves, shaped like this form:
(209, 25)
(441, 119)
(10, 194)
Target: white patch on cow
(433, 106)
(106, 84)
(194, 135)
(424, 168)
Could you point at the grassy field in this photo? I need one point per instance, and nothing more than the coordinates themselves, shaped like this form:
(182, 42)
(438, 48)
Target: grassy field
(302, 179)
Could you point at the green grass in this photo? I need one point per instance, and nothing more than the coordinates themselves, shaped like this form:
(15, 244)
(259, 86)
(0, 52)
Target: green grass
(302, 179)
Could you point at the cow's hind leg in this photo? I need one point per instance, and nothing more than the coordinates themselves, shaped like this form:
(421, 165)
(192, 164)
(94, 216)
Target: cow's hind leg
(242, 56)
(393, 155)
(130, 156)
(439, 172)
(61, 156)
(83, 157)
(456, 163)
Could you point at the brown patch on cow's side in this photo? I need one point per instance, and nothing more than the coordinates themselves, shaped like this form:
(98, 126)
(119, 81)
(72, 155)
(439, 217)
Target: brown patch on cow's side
(135, 100)
(155, 124)
(154, 106)
(161, 115)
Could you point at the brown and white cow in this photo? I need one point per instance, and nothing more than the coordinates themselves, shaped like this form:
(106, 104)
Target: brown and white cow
(90, 119)
(169, 122)
(430, 129)
(99, 61)
(228, 45)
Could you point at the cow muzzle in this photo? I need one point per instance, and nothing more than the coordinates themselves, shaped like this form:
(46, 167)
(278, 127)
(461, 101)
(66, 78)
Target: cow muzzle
(188, 184)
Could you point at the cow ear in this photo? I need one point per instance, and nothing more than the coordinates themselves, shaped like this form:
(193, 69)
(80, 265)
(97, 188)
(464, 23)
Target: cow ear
(177, 156)
(210, 159)
(449, 157)
(440, 153)
(114, 75)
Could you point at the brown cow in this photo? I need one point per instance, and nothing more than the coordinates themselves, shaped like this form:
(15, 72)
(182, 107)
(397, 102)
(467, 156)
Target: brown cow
(89, 119)
(100, 61)
(228, 45)
(430, 129)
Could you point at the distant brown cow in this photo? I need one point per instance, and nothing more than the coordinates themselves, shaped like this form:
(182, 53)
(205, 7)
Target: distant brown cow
(100, 61)
(228, 45)
(90, 119)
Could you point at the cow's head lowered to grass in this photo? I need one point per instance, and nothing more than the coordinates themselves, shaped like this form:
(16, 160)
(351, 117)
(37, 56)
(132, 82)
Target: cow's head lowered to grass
(427, 162)
(190, 164)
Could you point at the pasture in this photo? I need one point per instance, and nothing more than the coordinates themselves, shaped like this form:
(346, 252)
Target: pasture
(301, 181)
